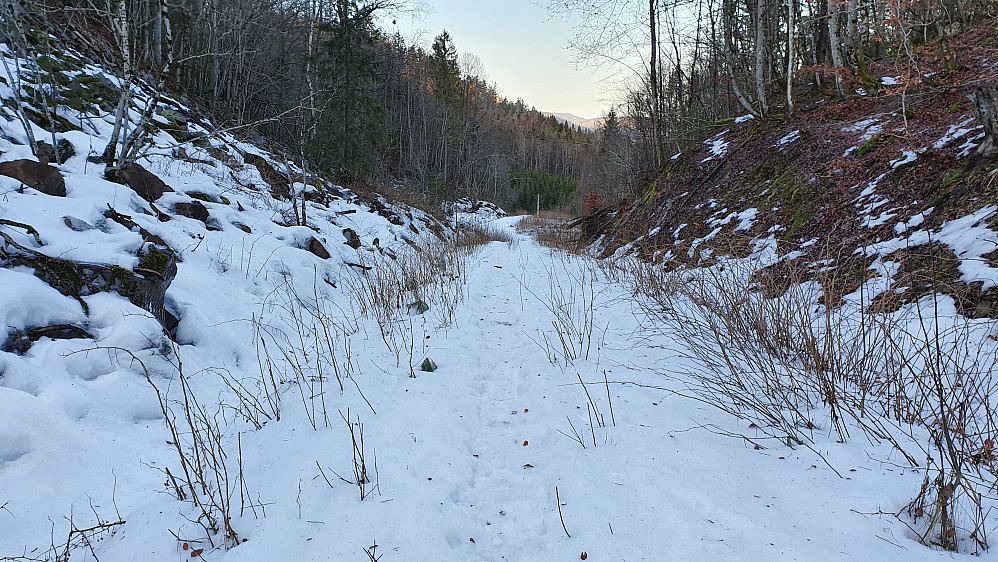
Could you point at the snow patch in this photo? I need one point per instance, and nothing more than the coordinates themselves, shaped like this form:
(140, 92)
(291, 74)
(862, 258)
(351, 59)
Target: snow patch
(954, 132)
(789, 138)
(967, 147)
(907, 157)
(868, 127)
(717, 146)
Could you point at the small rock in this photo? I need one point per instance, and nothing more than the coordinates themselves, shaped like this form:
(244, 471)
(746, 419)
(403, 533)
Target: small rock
(20, 341)
(419, 306)
(352, 239)
(79, 225)
(428, 366)
(171, 322)
(193, 210)
(152, 238)
(244, 228)
(317, 248)
(280, 186)
(45, 152)
(142, 181)
(66, 150)
(36, 175)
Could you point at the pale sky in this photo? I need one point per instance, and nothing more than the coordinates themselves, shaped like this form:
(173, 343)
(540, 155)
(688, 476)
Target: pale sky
(523, 50)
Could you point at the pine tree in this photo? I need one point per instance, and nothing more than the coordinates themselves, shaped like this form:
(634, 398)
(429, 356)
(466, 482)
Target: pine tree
(445, 72)
(351, 128)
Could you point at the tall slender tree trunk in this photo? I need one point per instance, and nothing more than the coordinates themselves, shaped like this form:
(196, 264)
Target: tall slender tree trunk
(656, 107)
(852, 30)
(761, 48)
(157, 37)
(119, 24)
(791, 60)
(728, 13)
(310, 70)
(215, 56)
(835, 45)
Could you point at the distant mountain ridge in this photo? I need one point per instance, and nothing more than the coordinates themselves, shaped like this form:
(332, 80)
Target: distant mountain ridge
(582, 122)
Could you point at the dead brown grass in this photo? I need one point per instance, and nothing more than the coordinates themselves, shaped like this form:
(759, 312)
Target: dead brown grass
(478, 234)
(552, 232)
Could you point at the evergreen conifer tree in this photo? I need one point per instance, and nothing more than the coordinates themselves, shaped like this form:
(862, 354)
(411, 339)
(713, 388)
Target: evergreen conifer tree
(446, 85)
(445, 72)
(351, 128)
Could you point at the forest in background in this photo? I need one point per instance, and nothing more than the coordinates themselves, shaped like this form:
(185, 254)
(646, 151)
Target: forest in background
(693, 64)
(320, 82)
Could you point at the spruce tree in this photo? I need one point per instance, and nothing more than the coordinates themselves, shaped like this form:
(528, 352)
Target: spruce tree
(445, 72)
(446, 86)
(351, 128)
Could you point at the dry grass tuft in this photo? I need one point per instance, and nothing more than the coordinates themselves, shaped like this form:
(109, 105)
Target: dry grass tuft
(553, 233)
(794, 361)
(474, 234)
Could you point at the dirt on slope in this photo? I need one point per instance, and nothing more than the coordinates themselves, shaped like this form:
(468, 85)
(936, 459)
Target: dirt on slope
(835, 175)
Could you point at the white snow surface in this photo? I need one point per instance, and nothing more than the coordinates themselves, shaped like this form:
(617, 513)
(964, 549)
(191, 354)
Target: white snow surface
(955, 131)
(746, 219)
(907, 157)
(868, 127)
(475, 450)
(969, 237)
(717, 146)
(788, 138)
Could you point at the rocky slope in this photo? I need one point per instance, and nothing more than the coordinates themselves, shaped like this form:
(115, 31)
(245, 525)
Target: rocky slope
(892, 174)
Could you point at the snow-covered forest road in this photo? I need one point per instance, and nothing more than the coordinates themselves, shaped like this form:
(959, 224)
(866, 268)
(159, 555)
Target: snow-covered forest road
(467, 462)
(472, 457)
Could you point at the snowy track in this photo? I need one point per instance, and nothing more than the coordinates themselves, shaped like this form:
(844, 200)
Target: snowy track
(468, 457)
(486, 427)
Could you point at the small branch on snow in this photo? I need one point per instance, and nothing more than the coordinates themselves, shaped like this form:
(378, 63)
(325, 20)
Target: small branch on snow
(557, 498)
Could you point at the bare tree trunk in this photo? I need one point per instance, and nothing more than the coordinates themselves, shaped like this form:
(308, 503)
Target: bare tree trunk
(852, 26)
(18, 46)
(133, 143)
(791, 60)
(985, 101)
(835, 45)
(728, 10)
(314, 14)
(760, 56)
(157, 37)
(696, 59)
(119, 24)
(654, 78)
(213, 50)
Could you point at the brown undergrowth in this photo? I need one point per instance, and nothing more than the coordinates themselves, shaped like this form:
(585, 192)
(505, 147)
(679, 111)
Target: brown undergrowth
(809, 193)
